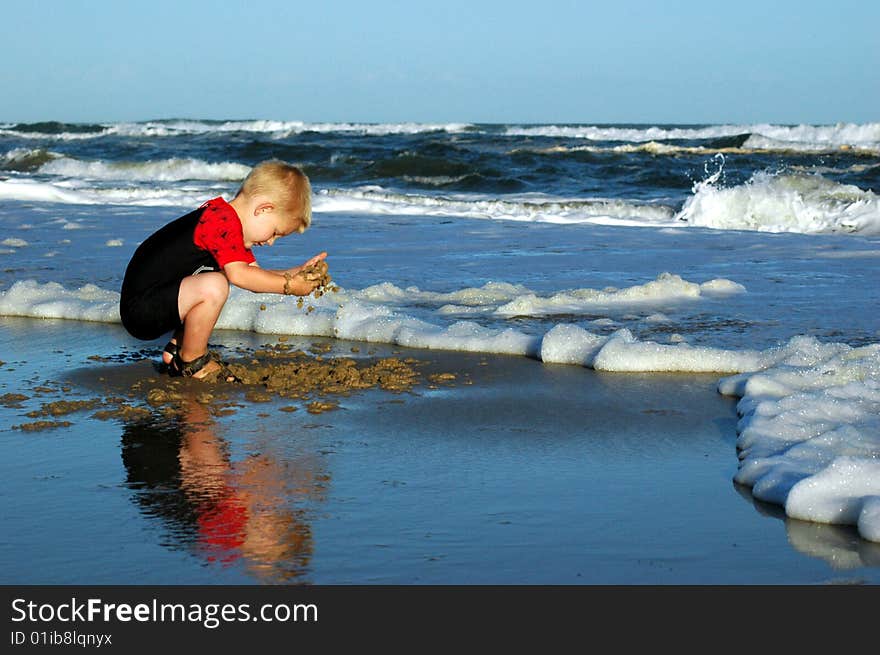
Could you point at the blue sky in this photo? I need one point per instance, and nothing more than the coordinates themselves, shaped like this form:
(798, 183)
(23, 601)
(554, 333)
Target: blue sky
(550, 61)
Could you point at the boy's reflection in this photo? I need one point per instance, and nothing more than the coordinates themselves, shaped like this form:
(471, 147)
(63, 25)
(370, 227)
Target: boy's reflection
(226, 511)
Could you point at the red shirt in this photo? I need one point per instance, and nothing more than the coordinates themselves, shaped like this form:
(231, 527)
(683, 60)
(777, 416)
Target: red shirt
(219, 232)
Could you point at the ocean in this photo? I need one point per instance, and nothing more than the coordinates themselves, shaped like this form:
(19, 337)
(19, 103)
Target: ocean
(771, 178)
(746, 255)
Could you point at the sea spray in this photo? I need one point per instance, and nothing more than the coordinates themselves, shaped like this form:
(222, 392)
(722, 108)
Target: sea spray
(782, 202)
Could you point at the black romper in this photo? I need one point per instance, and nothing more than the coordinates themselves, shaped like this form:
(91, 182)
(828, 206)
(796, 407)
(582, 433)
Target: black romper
(148, 305)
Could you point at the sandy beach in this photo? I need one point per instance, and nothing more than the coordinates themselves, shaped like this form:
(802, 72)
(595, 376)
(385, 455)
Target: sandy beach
(498, 470)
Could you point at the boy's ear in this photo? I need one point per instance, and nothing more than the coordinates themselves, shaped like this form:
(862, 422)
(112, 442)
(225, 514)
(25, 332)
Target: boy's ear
(264, 207)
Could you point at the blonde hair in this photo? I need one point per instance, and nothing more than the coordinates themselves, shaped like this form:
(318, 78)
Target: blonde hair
(285, 184)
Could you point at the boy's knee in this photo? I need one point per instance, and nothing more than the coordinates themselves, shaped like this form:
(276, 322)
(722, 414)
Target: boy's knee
(215, 288)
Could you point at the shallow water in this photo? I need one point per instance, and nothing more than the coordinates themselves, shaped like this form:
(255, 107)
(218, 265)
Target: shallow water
(794, 284)
(511, 479)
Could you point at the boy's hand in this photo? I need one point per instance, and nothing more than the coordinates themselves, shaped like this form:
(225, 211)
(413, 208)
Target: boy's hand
(316, 272)
(296, 270)
(303, 286)
(314, 260)
(310, 278)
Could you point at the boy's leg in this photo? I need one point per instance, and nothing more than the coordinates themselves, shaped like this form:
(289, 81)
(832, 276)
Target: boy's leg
(200, 301)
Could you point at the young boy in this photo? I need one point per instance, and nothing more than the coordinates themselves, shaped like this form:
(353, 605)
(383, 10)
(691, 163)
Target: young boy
(178, 279)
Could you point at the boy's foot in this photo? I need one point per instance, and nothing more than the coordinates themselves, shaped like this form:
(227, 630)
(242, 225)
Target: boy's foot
(205, 368)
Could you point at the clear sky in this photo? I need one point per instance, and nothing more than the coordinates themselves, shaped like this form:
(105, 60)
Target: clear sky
(547, 61)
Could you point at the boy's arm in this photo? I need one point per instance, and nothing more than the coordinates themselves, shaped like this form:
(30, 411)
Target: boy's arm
(259, 280)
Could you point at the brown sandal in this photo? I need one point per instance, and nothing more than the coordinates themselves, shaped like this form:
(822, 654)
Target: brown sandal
(180, 368)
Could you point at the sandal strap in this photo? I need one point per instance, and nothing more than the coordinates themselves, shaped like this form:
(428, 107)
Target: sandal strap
(188, 369)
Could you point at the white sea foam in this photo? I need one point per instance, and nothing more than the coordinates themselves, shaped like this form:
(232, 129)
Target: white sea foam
(386, 305)
(783, 203)
(273, 128)
(367, 323)
(490, 295)
(61, 136)
(31, 191)
(379, 129)
(281, 128)
(666, 288)
(14, 242)
(168, 170)
(809, 433)
(864, 136)
(632, 134)
(524, 207)
(502, 299)
(347, 317)
(753, 144)
(51, 300)
(28, 190)
(381, 312)
(571, 344)
(651, 147)
(622, 352)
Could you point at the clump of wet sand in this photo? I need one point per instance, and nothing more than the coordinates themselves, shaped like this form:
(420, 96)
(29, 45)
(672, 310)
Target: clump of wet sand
(36, 426)
(107, 408)
(295, 374)
(321, 406)
(12, 400)
(319, 273)
(63, 407)
(269, 373)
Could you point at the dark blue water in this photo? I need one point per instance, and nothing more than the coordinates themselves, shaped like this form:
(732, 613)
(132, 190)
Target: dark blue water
(657, 164)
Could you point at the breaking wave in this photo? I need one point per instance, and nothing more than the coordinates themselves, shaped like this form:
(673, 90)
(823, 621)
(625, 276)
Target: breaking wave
(783, 202)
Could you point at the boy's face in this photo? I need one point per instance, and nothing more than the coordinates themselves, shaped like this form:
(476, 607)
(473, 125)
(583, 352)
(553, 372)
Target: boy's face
(267, 226)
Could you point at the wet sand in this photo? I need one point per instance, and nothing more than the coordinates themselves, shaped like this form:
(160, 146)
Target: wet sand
(352, 463)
